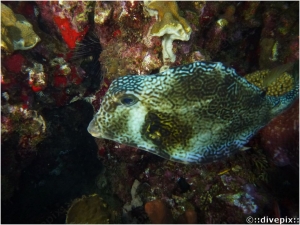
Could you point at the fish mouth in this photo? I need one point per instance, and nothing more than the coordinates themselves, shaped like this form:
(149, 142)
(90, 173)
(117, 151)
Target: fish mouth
(93, 129)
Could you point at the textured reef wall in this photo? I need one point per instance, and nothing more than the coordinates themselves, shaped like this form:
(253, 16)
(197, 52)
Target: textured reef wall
(56, 54)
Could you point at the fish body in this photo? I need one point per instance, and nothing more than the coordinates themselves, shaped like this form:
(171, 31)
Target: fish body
(194, 113)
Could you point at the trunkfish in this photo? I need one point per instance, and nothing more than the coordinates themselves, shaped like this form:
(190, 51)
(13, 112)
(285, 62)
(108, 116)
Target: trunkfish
(194, 113)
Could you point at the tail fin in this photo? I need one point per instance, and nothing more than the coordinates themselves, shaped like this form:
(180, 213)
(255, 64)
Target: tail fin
(283, 102)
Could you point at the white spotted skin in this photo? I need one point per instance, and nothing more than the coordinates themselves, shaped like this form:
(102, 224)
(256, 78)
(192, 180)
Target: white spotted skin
(195, 113)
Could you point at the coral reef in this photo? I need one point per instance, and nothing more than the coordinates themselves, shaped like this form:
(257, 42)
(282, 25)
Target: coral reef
(37, 77)
(280, 138)
(70, 19)
(88, 209)
(128, 47)
(14, 63)
(189, 217)
(170, 26)
(158, 212)
(22, 131)
(160, 179)
(135, 198)
(31, 80)
(16, 32)
(76, 49)
(28, 124)
(144, 61)
(281, 85)
(242, 200)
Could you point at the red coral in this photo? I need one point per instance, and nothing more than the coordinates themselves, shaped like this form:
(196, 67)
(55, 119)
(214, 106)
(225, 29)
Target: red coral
(37, 81)
(60, 81)
(70, 35)
(117, 33)
(37, 88)
(14, 63)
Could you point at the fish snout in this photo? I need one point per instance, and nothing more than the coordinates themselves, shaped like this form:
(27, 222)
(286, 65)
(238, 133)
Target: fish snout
(93, 129)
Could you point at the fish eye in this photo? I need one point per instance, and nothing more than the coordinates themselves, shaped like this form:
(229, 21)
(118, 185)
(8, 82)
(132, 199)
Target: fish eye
(128, 100)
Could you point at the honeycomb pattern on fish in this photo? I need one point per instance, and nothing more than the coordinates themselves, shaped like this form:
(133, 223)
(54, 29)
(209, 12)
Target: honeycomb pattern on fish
(195, 113)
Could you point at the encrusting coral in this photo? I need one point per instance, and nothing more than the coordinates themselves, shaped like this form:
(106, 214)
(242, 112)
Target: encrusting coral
(170, 26)
(7, 20)
(91, 209)
(16, 31)
(281, 85)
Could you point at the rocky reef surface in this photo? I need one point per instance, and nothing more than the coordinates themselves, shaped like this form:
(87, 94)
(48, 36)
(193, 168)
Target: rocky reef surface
(57, 62)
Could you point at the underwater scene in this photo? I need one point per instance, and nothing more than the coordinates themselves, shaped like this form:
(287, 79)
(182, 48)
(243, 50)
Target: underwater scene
(149, 112)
